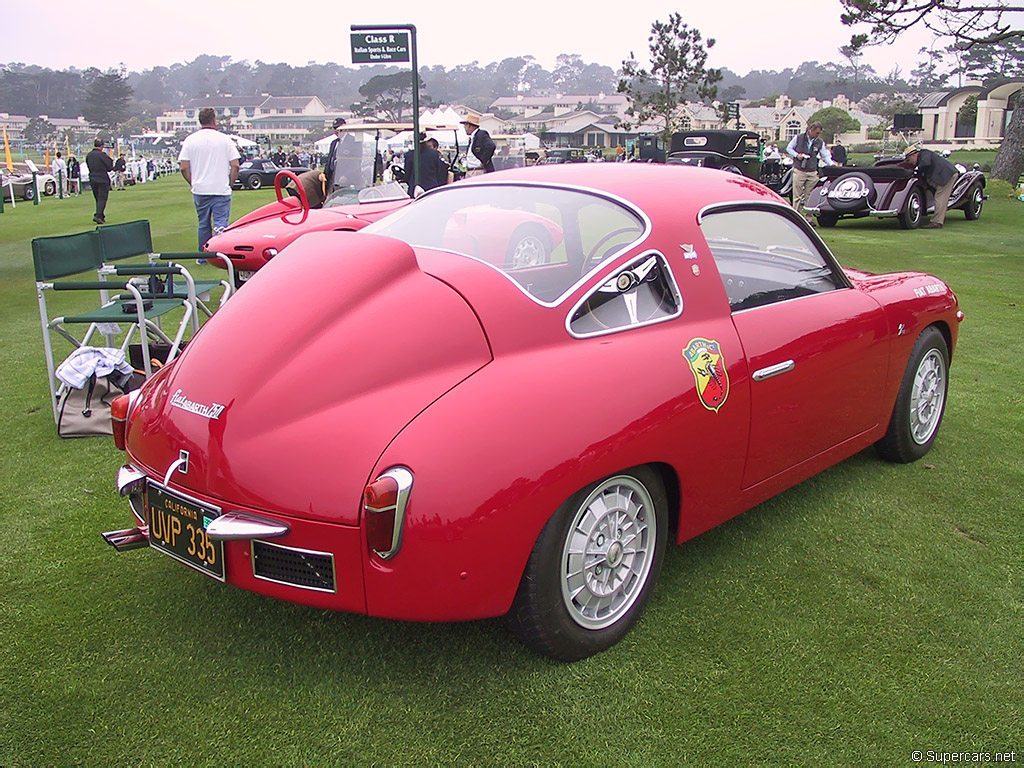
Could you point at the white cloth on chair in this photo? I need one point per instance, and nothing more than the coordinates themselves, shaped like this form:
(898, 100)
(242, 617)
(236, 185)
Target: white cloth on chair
(87, 361)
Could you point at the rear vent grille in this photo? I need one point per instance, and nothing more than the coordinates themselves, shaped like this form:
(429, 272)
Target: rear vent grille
(245, 248)
(295, 567)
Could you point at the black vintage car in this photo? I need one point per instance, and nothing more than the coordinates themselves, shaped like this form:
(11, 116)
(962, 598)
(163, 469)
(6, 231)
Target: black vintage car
(889, 190)
(737, 152)
(254, 174)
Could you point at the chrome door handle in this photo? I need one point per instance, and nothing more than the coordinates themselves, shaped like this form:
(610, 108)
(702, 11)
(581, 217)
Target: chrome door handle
(774, 370)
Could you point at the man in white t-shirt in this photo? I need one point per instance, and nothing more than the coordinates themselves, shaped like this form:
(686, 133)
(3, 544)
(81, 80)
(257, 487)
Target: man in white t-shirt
(209, 162)
(59, 169)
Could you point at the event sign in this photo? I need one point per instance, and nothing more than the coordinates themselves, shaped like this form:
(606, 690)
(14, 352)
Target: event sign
(379, 47)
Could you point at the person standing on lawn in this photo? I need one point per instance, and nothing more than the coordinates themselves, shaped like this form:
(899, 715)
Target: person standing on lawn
(100, 167)
(807, 150)
(938, 173)
(209, 163)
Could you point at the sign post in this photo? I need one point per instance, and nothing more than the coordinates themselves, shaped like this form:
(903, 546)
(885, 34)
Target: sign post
(391, 43)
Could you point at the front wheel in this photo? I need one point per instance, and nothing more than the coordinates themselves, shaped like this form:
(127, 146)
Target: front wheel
(974, 204)
(913, 210)
(255, 182)
(593, 567)
(30, 192)
(50, 188)
(921, 401)
(529, 246)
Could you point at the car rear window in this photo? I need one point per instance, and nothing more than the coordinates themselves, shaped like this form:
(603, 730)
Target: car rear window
(545, 239)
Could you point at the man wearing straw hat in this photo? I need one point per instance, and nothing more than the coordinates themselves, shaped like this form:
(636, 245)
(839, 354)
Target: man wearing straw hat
(938, 173)
(481, 146)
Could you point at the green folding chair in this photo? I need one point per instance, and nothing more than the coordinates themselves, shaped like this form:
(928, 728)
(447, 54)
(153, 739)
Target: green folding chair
(134, 239)
(69, 255)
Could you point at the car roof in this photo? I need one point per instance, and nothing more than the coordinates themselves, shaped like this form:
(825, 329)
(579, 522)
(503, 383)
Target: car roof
(656, 189)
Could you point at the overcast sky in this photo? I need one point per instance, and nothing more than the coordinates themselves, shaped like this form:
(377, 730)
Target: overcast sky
(750, 35)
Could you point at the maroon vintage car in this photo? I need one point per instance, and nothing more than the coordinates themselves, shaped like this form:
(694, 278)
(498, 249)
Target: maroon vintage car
(430, 431)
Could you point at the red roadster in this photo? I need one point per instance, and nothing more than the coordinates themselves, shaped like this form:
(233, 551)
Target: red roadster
(429, 430)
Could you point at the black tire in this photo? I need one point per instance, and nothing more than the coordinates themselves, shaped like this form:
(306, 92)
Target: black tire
(921, 402)
(828, 219)
(254, 182)
(974, 203)
(732, 169)
(541, 615)
(529, 246)
(30, 192)
(912, 215)
(859, 182)
(50, 188)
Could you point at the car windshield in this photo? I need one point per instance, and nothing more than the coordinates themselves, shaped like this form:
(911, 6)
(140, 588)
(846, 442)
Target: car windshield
(543, 238)
(351, 195)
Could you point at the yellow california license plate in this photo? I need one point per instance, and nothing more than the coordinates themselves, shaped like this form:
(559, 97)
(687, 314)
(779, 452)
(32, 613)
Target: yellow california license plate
(177, 527)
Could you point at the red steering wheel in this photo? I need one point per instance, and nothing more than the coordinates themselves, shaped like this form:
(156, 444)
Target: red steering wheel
(279, 191)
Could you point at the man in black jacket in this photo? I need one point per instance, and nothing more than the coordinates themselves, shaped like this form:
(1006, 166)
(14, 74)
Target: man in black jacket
(938, 173)
(481, 147)
(100, 165)
(433, 169)
(342, 165)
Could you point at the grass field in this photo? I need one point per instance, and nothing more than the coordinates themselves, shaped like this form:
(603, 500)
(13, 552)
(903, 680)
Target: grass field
(872, 611)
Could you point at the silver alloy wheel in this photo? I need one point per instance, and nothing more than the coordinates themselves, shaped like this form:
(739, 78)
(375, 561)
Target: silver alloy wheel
(530, 251)
(979, 200)
(608, 552)
(914, 208)
(927, 397)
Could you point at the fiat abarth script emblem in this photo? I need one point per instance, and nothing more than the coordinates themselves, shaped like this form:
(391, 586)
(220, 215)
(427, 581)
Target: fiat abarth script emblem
(708, 366)
(212, 411)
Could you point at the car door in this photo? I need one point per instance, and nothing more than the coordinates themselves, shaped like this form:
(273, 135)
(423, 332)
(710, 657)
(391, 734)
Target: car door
(817, 348)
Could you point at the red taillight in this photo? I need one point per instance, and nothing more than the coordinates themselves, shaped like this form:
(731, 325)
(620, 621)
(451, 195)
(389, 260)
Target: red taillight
(119, 408)
(384, 503)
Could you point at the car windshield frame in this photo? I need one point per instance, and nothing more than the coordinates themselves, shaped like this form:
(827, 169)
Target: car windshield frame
(643, 232)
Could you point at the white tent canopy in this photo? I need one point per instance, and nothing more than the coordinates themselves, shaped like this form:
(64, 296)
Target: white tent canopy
(241, 140)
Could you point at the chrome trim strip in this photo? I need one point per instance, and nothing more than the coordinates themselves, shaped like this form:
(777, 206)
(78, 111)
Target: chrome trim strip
(252, 559)
(596, 288)
(774, 370)
(242, 525)
(404, 477)
(631, 207)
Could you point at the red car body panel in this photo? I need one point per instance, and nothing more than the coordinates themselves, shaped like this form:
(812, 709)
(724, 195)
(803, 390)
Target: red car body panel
(276, 225)
(433, 361)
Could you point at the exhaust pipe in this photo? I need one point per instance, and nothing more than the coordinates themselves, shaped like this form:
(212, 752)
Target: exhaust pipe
(129, 538)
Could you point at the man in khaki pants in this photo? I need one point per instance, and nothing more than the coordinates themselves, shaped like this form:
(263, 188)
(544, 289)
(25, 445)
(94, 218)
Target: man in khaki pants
(807, 150)
(938, 173)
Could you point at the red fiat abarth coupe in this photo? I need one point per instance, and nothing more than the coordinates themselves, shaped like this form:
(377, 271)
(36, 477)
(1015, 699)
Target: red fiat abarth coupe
(427, 431)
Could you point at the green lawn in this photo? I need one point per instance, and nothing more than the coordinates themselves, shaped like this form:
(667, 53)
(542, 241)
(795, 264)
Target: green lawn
(872, 611)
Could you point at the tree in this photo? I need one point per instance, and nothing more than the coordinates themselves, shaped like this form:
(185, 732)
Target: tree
(38, 131)
(678, 70)
(986, 61)
(388, 95)
(928, 75)
(966, 23)
(107, 99)
(834, 121)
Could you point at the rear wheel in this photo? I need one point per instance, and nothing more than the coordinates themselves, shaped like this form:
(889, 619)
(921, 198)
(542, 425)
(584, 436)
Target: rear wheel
(974, 204)
(50, 188)
(921, 401)
(593, 567)
(255, 182)
(529, 246)
(913, 210)
(828, 218)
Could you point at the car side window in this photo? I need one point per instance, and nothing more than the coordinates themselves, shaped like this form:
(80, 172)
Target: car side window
(642, 292)
(764, 257)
